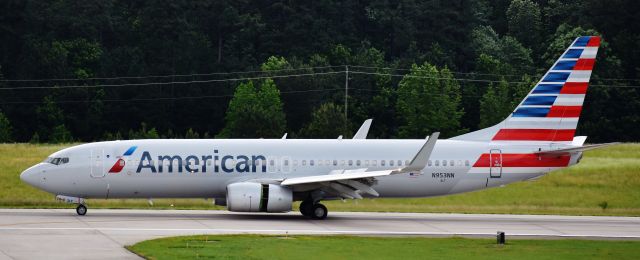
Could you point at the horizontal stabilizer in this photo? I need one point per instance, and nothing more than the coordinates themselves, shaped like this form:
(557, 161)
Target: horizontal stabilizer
(575, 149)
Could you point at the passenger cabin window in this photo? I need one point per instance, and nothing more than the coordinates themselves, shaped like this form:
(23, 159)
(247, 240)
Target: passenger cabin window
(399, 163)
(350, 162)
(366, 163)
(382, 162)
(310, 162)
(444, 162)
(451, 163)
(466, 162)
(429, 163)
(304, 162)
(374, 163)
(335, 162)
(437, 162)
(390, 162)
(358, 162)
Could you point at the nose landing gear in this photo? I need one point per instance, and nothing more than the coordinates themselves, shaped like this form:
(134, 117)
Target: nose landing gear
(81, 209)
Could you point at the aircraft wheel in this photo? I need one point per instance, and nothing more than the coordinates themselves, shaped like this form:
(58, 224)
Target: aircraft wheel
(319, 211)
(305, 208)
(81, 210)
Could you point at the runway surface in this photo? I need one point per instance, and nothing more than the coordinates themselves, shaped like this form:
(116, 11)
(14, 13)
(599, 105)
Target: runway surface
(103, 233)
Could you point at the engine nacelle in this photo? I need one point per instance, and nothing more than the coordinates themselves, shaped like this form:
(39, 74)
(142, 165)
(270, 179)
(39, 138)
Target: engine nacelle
(256, 197)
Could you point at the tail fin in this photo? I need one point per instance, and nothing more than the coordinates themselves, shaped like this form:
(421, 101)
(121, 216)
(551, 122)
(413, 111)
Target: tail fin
(550, 112)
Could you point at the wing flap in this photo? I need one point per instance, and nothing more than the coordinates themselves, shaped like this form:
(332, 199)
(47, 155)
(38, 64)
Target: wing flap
(335, 177)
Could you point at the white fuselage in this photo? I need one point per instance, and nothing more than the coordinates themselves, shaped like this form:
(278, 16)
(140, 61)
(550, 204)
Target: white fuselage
(203, 168)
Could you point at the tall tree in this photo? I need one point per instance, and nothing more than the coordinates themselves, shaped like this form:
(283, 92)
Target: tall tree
(5, 129)
(428, 101)
(51, 126)
(495, 104)
(327, 121)
(525, 22)
(505, 49)
(255, 113)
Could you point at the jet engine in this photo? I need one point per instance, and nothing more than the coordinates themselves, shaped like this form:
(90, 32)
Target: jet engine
(257, 197)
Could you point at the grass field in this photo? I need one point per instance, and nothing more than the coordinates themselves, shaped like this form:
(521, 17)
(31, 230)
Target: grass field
(606, 182)
(353, 247)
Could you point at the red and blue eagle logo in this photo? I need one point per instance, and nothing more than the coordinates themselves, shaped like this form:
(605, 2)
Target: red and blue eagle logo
(120, 162)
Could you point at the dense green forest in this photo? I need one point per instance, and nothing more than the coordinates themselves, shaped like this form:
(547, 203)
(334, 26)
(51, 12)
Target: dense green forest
(112, 69)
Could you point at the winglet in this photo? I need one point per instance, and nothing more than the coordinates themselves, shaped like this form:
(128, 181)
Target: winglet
(422, 157)
(364, 130)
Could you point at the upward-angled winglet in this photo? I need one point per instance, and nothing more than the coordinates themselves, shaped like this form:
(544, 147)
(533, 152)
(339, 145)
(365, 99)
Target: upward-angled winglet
(364, 130)
(422, 157)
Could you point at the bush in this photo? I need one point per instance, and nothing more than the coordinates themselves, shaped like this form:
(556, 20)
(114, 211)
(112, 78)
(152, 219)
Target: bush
(60, 134)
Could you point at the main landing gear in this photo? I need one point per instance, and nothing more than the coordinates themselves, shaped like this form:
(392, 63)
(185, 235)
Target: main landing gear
(313, 210)
(81, 209)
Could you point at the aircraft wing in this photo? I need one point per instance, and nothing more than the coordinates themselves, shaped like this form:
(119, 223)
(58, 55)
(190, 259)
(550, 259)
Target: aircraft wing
(350, 183)
(345, 175)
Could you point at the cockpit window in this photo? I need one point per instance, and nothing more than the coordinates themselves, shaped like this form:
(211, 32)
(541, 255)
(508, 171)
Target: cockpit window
(57, 160)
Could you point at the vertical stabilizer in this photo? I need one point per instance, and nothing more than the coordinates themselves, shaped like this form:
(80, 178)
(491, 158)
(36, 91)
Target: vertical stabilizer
(550, 112)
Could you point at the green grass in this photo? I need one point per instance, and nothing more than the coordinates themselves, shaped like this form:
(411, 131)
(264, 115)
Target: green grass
(610, 175)
(354, 247)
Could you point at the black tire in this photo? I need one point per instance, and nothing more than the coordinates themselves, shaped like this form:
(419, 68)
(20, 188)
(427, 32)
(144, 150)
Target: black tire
(305, 208)
(81, 210)
(319, 211)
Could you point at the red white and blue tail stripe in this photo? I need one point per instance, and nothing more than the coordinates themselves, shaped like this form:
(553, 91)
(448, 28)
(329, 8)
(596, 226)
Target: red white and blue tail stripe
(550, 112)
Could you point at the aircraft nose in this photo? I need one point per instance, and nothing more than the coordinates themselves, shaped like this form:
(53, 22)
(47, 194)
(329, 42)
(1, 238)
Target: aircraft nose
(29, 176)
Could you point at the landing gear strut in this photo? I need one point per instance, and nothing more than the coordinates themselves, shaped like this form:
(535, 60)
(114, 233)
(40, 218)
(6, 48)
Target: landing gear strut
(313, 210)
(81, 209)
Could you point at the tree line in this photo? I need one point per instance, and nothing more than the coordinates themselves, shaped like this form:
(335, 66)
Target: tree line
(106, 70)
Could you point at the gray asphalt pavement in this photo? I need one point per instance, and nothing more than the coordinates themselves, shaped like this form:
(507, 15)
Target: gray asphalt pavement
(103, 233)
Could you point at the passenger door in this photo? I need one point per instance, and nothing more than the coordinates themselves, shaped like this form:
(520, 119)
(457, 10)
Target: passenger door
(495, 163)
(97, 163)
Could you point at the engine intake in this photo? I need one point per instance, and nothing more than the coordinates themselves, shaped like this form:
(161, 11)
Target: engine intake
(256, 197)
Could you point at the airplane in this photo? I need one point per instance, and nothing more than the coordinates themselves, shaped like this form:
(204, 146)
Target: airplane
(269, 175)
